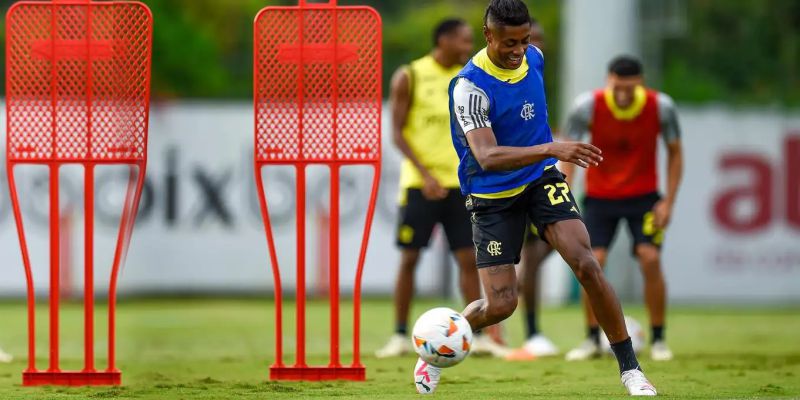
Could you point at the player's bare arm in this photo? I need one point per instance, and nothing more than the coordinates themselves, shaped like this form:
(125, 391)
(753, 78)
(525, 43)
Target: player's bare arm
(662, 211)
(671, 133)
(493, 157)
(400, 100)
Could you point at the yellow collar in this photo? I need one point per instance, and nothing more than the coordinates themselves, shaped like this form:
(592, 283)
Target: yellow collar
(482, 61)
(630, 113)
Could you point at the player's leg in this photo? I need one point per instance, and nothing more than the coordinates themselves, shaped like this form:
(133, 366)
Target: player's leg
(601, 220)
(398, 344)
(647, 248)
(655, 290)
(497, 232)
(414, 232)
(553, 210)
(498, 227)
(655, 297)
(457, 226)
(571, 240)
(468, 278)
(601, 254)
(534, 252)
(589, 347)
(500, 286)
(482, 342)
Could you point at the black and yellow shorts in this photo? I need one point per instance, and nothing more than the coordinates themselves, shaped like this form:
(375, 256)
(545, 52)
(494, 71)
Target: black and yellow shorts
(603, 215)
(418, 216)
(499, 225)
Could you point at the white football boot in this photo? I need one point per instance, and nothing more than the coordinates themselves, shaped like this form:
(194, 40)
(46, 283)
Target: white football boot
(397, 346)
(586, 350)
(483, 345)
(540, 346)
(637, 384)
(659, 351)
(536, 346)
(426, 377)
(5, 357)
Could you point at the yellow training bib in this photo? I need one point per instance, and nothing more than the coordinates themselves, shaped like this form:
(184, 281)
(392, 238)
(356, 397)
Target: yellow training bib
(427, 130)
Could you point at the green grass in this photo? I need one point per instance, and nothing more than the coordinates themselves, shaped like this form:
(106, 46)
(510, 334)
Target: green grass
(218, 349)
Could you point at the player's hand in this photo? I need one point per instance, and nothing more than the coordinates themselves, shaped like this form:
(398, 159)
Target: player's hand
(662, 214)
(432, 190)
(581, 154)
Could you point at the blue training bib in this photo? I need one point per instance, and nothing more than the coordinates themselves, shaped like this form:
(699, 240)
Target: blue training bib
(518, 114)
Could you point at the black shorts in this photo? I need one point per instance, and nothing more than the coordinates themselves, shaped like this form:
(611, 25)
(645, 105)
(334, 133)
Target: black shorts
(531, 233)
(419, 215)
(499, 225)
(602, 217)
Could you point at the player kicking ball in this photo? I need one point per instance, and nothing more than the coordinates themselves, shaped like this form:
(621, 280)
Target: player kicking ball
(429, 185)
(507, 171)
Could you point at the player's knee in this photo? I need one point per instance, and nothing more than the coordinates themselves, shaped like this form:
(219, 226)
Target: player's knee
(649, 257)
(502, 308)
(587, 269)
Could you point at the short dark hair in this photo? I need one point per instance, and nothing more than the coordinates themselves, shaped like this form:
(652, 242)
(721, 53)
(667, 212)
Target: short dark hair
(625, 66)
(446, 27)
(507, 12)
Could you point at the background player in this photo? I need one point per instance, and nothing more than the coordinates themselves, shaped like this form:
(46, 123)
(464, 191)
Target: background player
(534, 252)
(507, 169)
(625, 120)
(429, 178)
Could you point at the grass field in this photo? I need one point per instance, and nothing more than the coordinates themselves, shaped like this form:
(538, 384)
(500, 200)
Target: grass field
(218, 349)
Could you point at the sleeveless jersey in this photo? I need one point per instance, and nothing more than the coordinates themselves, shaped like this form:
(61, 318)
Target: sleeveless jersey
(427, 128)
(629, 150)
(518, 116)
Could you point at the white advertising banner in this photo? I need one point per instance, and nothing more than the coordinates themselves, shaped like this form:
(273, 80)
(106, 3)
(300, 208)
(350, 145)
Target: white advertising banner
(734, 237)
(736, 230)
(199, 227)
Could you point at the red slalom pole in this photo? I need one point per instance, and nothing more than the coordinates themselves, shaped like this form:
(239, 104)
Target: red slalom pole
(334, 267)
(55, 271)
(300, 311)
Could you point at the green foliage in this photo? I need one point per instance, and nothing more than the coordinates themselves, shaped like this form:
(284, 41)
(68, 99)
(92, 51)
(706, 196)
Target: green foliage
(408, 34)
(736, 51)
(203, 48)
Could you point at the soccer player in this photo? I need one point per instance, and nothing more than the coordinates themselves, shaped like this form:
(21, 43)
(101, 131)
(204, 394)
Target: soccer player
(534, 252)
(429, 193)
(507, 171)
(625, 119)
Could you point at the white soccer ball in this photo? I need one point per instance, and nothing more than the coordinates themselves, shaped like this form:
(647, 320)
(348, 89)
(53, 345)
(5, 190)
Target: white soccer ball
(634, 330)
(442, 337)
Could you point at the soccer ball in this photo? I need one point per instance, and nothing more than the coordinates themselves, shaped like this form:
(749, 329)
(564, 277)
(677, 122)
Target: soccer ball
(442, 337)
(634, 330)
